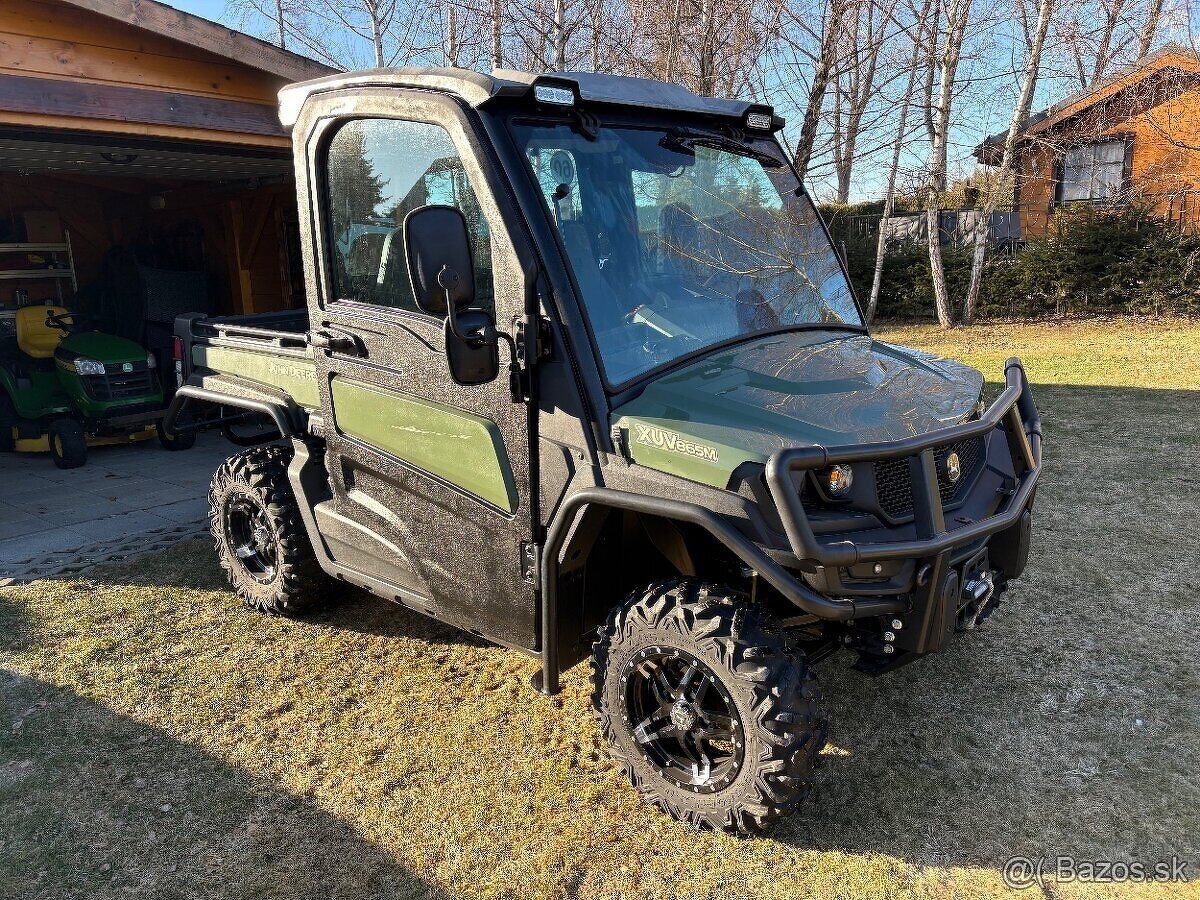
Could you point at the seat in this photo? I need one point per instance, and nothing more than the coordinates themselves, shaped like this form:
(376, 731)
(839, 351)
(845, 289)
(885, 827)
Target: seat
(35, 338)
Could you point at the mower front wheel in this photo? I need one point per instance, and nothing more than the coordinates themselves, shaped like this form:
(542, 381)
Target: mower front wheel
(183, 438)
(68, 444)
(8, 421)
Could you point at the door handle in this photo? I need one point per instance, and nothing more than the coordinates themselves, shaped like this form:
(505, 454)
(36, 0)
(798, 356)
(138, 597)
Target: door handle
(337, 342)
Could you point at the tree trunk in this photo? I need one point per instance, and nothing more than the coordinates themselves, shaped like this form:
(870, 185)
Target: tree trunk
(279, 25)
(1150, 28)
(452, 35)
(958, 14)
(822, 73)
(1020, 115)
(560, 35)
(497, 34)
(889, 198)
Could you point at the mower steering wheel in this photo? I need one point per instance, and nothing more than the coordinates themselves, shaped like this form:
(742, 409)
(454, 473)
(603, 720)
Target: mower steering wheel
(62, 321)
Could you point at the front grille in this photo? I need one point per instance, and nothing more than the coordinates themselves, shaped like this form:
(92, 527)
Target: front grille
(893, 487)
(893, 480)
(116, 384)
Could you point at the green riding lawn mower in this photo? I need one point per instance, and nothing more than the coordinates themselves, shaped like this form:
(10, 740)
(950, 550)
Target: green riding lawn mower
(65, 387)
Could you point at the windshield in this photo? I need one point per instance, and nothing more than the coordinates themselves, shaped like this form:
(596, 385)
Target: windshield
(682, 239)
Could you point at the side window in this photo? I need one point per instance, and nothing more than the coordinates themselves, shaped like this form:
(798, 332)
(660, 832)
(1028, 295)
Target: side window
(378, 171)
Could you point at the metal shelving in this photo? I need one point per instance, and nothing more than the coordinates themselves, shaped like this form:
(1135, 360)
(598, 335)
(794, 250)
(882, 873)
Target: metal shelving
(57, 274)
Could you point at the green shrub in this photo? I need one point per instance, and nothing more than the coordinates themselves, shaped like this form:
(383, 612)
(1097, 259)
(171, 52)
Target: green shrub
(1092, 261)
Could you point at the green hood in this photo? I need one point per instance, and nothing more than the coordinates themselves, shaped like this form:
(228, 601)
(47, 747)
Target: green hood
(105, 348)
(791, 390)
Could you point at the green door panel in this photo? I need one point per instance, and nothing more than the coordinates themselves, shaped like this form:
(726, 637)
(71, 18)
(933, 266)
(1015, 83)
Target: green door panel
(462, 449)
(295, 375)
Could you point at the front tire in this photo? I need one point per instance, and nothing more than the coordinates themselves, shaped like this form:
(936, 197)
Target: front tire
(715, 720)
(259, 535)
(68, 443)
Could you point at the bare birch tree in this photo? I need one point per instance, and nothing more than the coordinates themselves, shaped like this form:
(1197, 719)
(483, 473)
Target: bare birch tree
(919, 26)
(866, 37)
(1020, 116)
(943, 67)
(828, 41)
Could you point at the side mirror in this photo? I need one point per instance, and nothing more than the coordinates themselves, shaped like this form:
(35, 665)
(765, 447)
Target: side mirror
(441, 269)
(435, 238)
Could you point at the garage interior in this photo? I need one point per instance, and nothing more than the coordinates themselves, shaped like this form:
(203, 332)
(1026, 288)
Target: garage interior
(133, 233)
(143, 173)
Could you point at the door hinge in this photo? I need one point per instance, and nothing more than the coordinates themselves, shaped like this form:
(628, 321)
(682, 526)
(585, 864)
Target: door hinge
(531, 560)
(540, 347)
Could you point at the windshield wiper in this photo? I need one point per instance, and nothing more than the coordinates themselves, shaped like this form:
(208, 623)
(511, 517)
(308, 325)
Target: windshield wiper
(689, 138)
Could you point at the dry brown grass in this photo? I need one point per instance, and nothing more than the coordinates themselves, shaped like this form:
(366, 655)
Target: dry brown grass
(157, 740)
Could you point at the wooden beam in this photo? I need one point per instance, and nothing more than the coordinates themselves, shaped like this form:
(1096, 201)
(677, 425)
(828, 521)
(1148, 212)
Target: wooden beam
(240, 288)
(20, 94)
(163, 20)
(252, 230)
(77, 61)
(126, 129)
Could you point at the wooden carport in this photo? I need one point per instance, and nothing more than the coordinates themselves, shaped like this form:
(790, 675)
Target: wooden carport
(141, 126)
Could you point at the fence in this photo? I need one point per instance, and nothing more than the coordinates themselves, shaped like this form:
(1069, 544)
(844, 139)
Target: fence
(1009, 230)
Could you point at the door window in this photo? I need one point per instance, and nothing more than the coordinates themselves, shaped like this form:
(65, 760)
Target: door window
(378, 171)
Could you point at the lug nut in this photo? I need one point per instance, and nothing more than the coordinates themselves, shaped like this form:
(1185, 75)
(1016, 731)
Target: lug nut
(889, 636)
(897, 624)
(888, 648)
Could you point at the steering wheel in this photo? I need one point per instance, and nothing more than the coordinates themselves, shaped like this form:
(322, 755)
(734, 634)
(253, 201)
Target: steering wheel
(62, 321)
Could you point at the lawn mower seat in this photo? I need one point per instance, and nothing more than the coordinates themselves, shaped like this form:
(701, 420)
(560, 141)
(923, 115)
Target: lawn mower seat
(34, 337)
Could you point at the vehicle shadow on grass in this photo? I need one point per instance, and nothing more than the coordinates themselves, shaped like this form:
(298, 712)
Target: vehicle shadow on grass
(93, 804)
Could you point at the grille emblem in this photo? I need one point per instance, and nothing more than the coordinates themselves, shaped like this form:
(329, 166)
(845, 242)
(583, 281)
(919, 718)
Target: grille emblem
(126, 367)
(953, 468)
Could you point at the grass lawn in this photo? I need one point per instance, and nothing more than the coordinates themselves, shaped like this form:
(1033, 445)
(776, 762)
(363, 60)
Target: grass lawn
(158, 740)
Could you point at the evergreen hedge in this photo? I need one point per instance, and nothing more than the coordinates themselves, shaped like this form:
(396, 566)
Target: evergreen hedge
(1091, 261)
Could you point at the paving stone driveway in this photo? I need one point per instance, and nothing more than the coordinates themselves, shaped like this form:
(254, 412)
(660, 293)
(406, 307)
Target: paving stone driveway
(121, 492)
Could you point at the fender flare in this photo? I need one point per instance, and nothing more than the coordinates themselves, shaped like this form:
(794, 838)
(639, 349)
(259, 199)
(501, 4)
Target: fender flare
(689, 513)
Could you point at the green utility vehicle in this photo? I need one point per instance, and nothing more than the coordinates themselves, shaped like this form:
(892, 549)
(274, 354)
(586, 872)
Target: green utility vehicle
(65, 387)
(699, 470)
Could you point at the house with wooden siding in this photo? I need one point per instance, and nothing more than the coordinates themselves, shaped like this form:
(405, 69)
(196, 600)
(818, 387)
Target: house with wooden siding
(142, 163)
(1133, 138)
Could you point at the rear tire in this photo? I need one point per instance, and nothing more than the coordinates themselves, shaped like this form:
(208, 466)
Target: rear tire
(177, 440)
(714, 718)
(68, 444)
(260, 538)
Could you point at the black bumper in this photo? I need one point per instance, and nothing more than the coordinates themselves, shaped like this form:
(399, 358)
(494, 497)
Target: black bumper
(1014, 409)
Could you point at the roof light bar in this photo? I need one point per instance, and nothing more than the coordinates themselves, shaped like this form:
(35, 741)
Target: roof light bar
(759, 121)
(558, 96)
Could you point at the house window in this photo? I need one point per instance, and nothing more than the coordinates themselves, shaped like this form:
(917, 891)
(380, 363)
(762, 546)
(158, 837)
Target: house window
(1093, 172)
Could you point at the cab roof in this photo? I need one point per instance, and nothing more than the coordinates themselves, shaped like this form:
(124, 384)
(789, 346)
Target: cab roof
(477, 89)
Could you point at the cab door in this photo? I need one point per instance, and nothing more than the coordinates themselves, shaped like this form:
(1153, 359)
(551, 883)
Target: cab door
(430, 479)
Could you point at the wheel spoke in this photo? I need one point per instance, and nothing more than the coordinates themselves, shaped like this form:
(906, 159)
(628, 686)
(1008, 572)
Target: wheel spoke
(659, 684)
(687, 678)
(646, 731)
(245, 551)
(701, 690)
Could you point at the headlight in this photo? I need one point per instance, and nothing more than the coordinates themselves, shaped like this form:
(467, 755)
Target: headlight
(151, 362)
(85, 366)
(837, 481)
